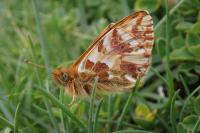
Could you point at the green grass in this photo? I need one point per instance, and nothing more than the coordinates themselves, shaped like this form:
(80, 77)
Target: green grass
(55, 33)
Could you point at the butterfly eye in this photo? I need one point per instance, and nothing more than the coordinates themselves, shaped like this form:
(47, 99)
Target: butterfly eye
(65, 77)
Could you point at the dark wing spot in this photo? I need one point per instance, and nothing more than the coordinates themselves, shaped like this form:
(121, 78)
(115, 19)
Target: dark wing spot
(89, 64)
(118, 45)
(100, 46)
(115, 38)
(139, 18)
(103, 76)
(100, 67)
(129, 67)
(122, 48)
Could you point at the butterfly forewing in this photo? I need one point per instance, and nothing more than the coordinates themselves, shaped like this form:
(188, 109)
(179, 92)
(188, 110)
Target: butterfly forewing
(119, 55)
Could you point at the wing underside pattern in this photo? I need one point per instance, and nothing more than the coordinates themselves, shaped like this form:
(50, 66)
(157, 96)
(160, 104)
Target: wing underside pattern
(119, 55)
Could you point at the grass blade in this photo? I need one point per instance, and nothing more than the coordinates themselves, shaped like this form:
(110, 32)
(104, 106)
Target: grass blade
(127, 103)
(133, 131)
(194, 130)
(170, 81)
(64, 120)
(50, 113)
(187, 100)
(110, 112)
(61, 106)
(185, 85)
(172, 115)
(90, 123)
(16, 118)
(96, 115)
(158, 75)
(6, 122)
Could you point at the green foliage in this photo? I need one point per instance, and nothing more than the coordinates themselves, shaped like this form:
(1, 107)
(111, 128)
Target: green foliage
(150, 5)
(55, 33)
(190, 121)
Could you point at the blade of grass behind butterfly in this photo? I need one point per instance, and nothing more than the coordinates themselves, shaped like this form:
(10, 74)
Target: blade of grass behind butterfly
(127, 103)
(110, 107)
(63, 107)
(96, 115)
(90, 123)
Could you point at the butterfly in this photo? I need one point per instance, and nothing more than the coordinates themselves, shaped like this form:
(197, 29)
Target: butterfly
(118, 56)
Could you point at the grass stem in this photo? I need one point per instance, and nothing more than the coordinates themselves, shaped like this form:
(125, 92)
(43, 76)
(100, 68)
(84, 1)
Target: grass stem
(90, 121)
(96, 115)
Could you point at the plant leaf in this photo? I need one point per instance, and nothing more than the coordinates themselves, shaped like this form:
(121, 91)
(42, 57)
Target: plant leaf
(190, 121)
(177, 42)
(181, 54)
(197, 105)
(150, 5)
(183, 26)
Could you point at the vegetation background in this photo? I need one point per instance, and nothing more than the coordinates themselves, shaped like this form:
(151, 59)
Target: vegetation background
(56, 32)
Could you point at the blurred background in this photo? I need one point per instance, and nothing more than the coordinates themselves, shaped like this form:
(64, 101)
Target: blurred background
(56, 32)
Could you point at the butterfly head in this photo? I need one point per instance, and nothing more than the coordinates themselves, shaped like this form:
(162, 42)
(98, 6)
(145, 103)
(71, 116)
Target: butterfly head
(60, 75)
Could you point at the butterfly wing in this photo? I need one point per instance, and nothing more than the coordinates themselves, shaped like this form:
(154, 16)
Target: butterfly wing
(118, 55)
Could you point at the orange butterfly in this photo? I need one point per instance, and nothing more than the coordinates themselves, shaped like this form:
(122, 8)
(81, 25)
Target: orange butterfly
(117, 57)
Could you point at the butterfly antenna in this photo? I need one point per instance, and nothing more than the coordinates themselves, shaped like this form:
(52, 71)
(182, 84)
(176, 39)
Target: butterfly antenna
(34, 64)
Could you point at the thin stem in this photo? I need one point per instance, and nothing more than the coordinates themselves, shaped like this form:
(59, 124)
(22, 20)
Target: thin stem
(167, 62)
(90, 122)
(159, 75)
(185, 85)
(96, 115)
(6, 122)
(16, 118)
(110, 112)
(167, 30)
(64, 120)
(172, 115)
